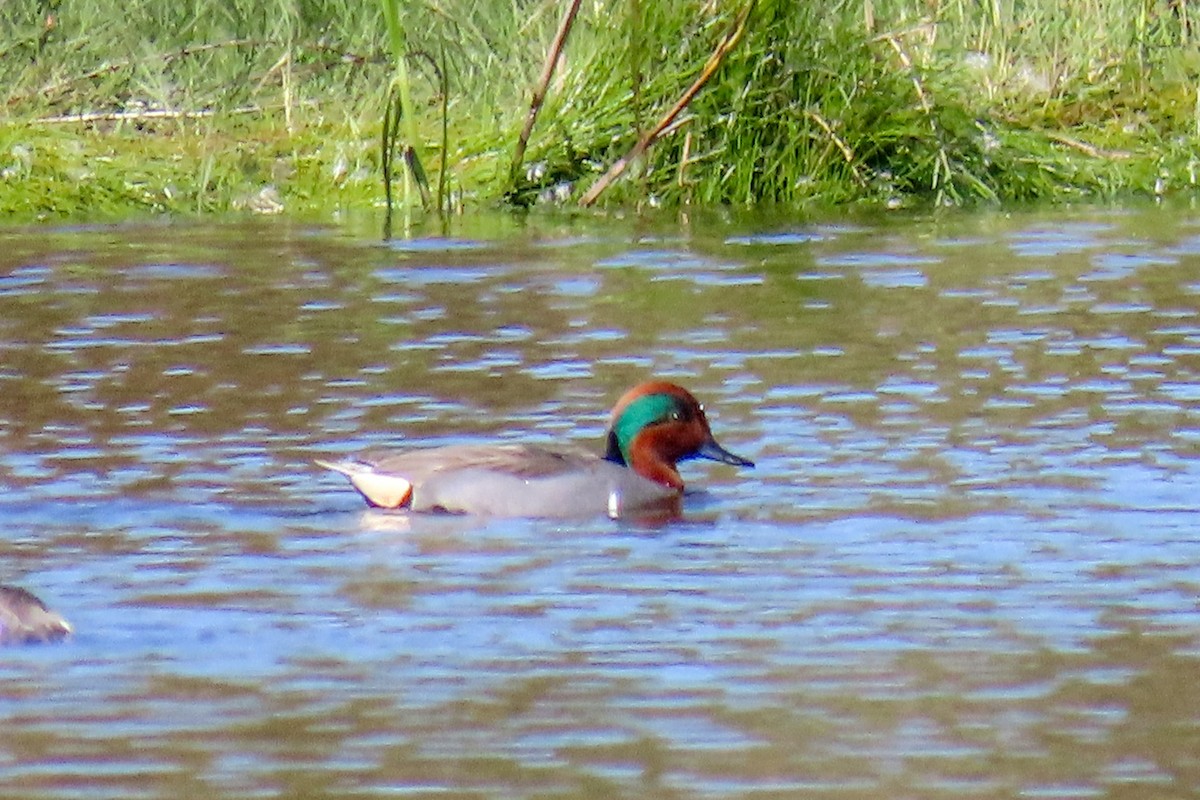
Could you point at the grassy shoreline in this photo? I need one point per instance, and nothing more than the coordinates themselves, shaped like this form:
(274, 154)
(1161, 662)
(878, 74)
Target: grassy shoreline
(144, 107)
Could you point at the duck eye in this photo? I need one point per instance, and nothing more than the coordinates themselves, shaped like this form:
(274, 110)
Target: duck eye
(680, 414)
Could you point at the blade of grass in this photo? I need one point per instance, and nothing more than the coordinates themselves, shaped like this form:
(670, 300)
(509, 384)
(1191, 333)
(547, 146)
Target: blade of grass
(399, 105)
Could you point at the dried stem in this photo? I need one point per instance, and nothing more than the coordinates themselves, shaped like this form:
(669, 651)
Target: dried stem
(654, 134)
(539, 92)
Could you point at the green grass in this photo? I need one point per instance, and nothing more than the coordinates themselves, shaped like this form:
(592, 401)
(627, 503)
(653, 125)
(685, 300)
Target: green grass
(210, 106)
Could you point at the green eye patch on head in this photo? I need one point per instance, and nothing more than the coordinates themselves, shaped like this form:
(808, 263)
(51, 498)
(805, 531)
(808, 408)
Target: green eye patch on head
(646, 410)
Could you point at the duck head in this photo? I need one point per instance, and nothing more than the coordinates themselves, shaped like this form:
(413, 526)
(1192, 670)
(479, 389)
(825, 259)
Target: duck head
(657, 424)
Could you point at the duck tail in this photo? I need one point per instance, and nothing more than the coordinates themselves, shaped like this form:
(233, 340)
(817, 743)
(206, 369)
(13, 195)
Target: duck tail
(380, 489)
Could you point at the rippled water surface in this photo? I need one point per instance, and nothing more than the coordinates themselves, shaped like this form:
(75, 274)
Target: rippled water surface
(967, 565)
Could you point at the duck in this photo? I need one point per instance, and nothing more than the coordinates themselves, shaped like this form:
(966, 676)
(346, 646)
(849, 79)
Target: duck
(652, 427)
(25, 618)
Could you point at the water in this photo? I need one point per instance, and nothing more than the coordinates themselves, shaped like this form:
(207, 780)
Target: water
(967, 564)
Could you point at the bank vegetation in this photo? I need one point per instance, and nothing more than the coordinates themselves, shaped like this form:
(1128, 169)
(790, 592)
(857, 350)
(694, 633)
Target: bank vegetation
(301, 105)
